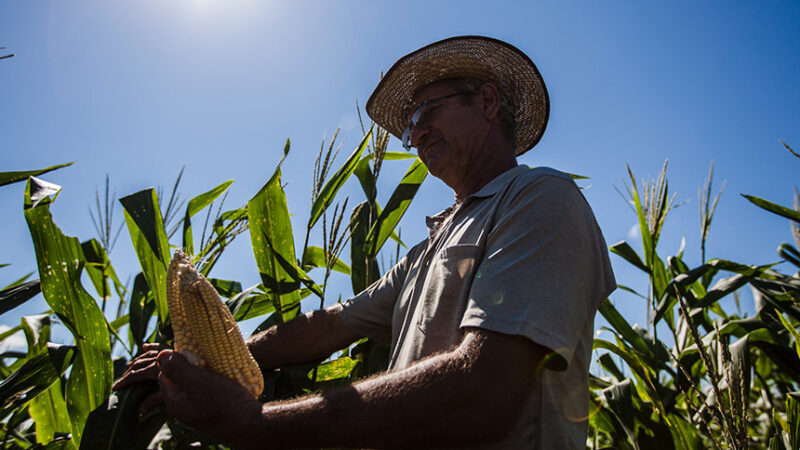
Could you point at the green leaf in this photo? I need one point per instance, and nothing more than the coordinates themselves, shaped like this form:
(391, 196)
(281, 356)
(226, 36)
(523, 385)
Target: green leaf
(610, 366)
(393, 156)
(332, 370)
(196, 205)
(49, 411)
(623, 329)
(620, 402)
(366, 178)
(247, 304)
(14, 296)
(364, 269)
(271, 232)
(146, 228)
(315, 257)
(789, 253)
(791, 329)
(99, 267)
(774, 208)
(294, 271)
(37, 331)
(627, 253)
(793, 418)
(639, 367)
(395, 208)
(226, 288)
(328, 192)
(35, 376)
(13, 177)
(721, 289)
(115, 424)
(141, 307)
(644, 228)
(61, 261)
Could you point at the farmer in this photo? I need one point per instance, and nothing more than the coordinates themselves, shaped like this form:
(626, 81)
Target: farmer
(490, 319)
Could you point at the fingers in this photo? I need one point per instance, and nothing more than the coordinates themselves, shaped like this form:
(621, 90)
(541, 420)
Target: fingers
(154, 346)
(179, 370)
(141, 368)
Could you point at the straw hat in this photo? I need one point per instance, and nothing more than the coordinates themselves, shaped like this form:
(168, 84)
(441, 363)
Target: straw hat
(481, 57)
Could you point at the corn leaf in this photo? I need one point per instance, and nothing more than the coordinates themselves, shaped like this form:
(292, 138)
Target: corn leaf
(328, 192)
(271, 232)
(196, 205)
(141, 307)
(392, 156)
(644, 228)
(226, 288)
(774, 208)
(789, 253)
(623, 329)
(49, 411)
(620, 403)
(60, 260)
(363, 268)
(395, 208)
(115, 424)
(366, 178)
(146, 228)
(250, 303)
(13, 177)
(35, 376)
(332, 370)
(315, 257)
(627, 253)
(793, 418)
(294, 271)
(14, 296)
(99, 267)
(791, 329)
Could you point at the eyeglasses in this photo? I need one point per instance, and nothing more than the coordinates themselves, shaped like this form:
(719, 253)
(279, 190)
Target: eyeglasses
(418, 117)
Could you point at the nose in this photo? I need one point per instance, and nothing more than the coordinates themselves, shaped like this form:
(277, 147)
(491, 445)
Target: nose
(418, 135)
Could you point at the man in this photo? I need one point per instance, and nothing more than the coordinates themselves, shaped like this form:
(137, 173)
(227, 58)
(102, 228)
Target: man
(490, 319)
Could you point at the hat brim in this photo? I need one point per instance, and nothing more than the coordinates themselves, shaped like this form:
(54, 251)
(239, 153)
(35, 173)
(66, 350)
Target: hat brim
(488, 59)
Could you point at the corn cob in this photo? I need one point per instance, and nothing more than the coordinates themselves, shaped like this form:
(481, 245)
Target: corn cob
(204, 329)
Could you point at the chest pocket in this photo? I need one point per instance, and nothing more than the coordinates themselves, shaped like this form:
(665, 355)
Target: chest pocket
(445, 296)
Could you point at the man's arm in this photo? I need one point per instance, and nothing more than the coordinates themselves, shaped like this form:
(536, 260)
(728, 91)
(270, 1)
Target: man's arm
(306, 338)
(472, 393)
(312, 336)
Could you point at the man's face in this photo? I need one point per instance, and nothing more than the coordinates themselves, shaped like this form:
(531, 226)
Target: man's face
(450, 135)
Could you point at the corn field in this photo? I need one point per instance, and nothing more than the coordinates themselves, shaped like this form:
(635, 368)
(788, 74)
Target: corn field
(697, 377)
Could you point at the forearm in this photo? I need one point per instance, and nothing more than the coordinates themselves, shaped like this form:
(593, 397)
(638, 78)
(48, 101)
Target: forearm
(443, 400)
(305, 338)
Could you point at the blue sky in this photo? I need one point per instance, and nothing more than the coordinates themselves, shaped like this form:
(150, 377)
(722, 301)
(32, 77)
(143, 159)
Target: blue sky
(138, 89)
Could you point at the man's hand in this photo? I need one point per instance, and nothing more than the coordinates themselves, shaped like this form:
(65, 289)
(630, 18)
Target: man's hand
(143, 368)
(212, 403)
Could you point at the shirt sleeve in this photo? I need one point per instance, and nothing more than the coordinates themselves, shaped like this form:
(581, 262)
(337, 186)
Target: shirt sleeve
(370, 312)
(545, 268)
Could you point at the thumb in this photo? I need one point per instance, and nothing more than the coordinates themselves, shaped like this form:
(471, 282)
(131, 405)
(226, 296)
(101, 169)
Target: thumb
(174, 365)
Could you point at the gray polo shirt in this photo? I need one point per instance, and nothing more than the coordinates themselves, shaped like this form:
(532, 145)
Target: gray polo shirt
(522, 256)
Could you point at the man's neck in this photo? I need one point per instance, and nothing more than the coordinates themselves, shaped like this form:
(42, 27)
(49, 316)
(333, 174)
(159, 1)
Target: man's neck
(483, 172)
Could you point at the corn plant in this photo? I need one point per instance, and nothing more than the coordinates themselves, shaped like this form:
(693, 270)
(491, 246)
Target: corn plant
(718, 380)
(65, 389)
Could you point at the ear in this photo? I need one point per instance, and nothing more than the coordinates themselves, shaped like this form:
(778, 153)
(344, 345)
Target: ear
(489, 98)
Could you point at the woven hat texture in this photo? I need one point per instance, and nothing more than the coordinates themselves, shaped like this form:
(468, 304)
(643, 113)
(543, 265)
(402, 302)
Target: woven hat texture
(513, 72)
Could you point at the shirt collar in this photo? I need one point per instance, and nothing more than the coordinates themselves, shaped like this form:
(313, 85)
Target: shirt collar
(499, 182)
(435, 221)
